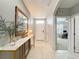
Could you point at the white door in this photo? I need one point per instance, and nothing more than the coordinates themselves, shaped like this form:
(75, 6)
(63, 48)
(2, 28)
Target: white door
(39, 30)
(76, 39)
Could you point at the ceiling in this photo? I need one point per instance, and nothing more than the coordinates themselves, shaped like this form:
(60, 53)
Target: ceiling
(39, 8)
(42, 8)
(68, 3)
(41, 2)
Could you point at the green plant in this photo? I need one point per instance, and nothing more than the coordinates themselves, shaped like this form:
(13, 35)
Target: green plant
(7, 27)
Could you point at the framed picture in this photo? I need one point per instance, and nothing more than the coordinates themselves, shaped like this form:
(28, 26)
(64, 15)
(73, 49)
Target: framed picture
(21, 23)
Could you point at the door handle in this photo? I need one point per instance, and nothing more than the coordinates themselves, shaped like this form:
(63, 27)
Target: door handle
(43, 30)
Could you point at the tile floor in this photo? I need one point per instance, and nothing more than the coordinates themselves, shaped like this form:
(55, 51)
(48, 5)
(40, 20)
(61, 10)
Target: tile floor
(61, 54)
(43, 50)
(63, 45)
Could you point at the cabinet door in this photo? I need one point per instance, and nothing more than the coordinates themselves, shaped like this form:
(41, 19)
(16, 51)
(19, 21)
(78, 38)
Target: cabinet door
(6, 55)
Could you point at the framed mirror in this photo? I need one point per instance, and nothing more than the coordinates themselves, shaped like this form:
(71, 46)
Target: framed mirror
(21, 23)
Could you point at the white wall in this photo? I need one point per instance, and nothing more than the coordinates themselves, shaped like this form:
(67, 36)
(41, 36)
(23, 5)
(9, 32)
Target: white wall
(49, 28)
(50, 31)
(75, 9)
(7, 10)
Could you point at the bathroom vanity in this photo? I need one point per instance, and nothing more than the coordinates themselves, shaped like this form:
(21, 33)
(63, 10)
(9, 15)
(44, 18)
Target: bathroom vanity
(18, 51)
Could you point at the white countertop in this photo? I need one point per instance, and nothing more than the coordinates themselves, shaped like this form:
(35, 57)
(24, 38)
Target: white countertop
(18, 43)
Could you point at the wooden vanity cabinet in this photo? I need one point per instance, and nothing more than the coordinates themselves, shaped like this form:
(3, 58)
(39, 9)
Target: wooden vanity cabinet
(19, 51)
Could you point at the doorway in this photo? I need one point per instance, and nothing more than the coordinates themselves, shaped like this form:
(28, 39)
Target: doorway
(40, 30)
(62, 33)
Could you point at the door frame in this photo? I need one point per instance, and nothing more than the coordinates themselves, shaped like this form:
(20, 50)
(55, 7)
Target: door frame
(75, 35)
(56, 30)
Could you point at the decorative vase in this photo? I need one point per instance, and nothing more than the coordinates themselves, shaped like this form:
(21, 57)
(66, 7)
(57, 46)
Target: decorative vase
(12, 40)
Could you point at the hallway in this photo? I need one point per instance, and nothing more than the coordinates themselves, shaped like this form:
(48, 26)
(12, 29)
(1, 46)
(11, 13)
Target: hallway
(24, 23)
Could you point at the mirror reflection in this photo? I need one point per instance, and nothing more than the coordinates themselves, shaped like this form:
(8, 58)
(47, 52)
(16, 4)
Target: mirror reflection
(21, 23)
